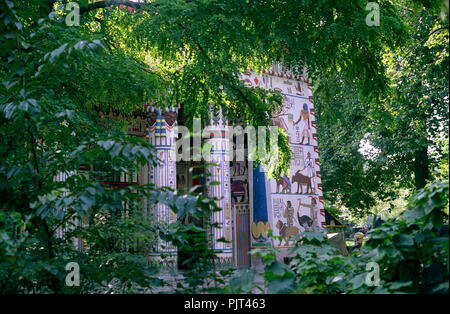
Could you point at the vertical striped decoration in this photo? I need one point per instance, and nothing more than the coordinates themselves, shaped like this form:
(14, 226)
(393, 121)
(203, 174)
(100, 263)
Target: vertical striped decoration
(242, 243)
(163, 136)
(241, 221)
(220, 173)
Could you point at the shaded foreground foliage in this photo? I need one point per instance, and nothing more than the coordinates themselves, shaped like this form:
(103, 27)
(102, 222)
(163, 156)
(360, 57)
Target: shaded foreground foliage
(409, 254)
(59, 84)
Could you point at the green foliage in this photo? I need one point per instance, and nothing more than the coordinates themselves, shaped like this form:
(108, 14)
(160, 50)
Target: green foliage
(372, 149)
(60, 83)
(351, 180)
(410, 251)
(414, 248)
(415, 116)
(189, 234)
(199, 49)
(51, 74)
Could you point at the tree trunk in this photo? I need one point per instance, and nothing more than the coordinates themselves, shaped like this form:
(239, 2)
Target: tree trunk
(421, 167)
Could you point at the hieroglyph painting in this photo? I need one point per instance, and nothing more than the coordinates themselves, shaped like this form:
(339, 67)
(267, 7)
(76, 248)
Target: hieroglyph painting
(295, 201)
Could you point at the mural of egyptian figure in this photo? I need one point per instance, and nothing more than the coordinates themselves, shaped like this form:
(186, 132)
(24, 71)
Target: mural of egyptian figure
(289, 214)
(310, 170)
(296, 117)
(308, 222)
(304, 123)
(286, 232)
(308, 179)
(301, 180)
(285, 184)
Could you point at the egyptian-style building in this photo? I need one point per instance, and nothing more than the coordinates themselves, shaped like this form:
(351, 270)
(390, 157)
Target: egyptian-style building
(251, 203)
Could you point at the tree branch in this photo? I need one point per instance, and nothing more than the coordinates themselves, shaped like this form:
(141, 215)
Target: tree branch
(108, 3)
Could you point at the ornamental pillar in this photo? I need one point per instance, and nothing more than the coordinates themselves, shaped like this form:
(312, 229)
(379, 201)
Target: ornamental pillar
(162, 134)
(216, 136)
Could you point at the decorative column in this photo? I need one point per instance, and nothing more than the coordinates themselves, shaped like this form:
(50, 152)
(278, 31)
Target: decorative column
(240, 208)
(162, 134)
(216, 136)
(260, 213)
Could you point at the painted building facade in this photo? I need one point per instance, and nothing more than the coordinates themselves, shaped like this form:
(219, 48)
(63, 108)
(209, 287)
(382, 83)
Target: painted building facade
(294, 202)
(251, 204)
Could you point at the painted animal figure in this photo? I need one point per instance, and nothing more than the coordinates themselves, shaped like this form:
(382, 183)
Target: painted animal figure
(302, 180)
(305, 222)
(283, 181)
(286, 232)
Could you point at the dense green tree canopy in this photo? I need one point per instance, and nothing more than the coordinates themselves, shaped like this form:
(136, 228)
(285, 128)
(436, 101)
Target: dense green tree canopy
(386, 84)
(192, 52)
(371, 149)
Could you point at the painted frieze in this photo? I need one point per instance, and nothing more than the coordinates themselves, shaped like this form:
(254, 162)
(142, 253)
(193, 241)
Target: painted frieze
(295, 200)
